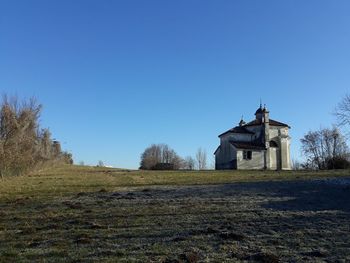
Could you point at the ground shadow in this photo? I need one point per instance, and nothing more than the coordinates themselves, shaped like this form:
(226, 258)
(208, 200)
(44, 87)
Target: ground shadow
(315, 195)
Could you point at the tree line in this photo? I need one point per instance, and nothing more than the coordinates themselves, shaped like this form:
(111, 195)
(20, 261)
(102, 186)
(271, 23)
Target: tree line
(162, 157)
(24, 145)
(326, 148)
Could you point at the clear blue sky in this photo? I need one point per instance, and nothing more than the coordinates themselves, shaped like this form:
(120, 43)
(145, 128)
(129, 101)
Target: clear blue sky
(117, 76)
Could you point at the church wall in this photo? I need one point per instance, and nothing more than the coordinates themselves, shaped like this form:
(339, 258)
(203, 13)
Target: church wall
(284, 132)
(274, 158)
(280, 135)
(274, 132)
(225, 157)
(279, 158)
(285, 154)
(273, 154)
(257, 161)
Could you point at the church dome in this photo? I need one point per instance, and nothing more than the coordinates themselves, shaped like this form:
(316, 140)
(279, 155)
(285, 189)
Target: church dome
(260, 110)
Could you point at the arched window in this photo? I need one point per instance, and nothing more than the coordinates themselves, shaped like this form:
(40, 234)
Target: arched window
(273, 144)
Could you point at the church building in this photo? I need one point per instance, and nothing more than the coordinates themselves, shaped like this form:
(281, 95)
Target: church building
(260, 144)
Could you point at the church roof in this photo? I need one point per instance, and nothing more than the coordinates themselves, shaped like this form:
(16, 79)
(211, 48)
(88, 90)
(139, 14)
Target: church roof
(217, 149)
(271, 122)
(237, 129)
(248, 145)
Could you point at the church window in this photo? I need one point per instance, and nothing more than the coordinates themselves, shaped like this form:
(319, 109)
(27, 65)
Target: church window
(247, 155)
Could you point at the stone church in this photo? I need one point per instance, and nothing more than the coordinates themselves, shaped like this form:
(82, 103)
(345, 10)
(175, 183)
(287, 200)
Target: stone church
(260, 144)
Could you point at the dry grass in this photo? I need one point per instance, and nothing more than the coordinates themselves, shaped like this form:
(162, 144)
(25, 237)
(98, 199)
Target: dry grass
(70, 179)
(86, 214)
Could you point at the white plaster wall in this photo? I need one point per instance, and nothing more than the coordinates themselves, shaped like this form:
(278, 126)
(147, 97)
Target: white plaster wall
(285, 154)
(274, 132)
(274, 158)
(280, 156)
(257, 161)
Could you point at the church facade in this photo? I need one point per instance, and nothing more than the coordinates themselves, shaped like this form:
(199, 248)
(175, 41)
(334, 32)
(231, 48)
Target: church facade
(260, 144)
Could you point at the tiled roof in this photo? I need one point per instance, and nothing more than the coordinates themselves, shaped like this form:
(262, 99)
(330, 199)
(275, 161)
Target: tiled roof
(271, 122)
(237, 129)
(248, 145)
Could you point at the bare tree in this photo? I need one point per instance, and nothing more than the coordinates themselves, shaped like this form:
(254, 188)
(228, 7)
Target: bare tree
(56, 149)
(150, 157)
(342, 111)
(160, 156)
(23, 145)
(201, 157)
(189, 163)
(18, 135)
(45, 144)
(324, 148)
(296, 164)
(100, 164)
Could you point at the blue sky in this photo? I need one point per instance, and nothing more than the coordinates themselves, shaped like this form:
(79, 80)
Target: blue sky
(117, 76)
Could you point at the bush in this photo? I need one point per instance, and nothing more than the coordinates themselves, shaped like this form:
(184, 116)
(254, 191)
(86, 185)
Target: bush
(338, 163)
(163, 166)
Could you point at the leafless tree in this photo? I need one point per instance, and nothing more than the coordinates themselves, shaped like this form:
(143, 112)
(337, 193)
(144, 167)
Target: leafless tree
(56, 149)
(23, 145)
(45, 144)
(342, 111)
(201, 157)
(18, 134)
(100, 164)
(150, 157)
(160, 155)
(324, 148)
(189, 163)
(296, 164)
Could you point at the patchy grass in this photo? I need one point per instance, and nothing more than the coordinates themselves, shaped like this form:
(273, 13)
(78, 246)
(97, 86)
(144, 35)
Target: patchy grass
(71, 179)
(88, 214)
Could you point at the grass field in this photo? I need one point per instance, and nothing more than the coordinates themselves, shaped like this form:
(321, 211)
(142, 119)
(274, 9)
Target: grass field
(88, 214)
